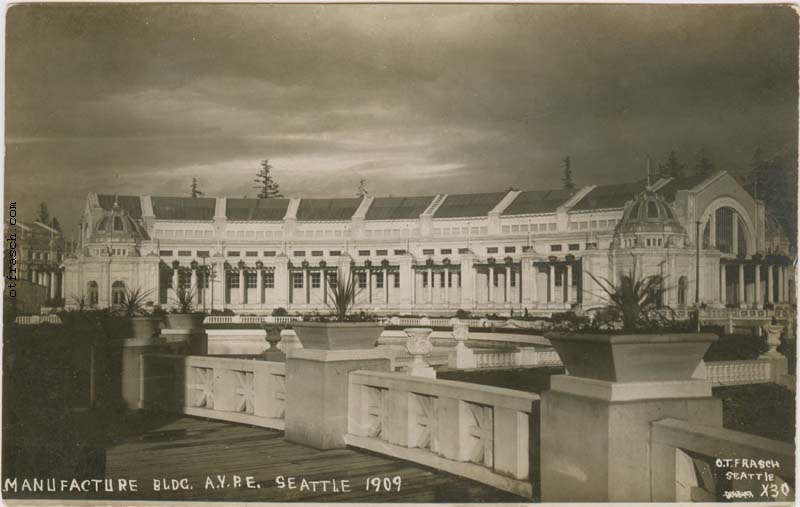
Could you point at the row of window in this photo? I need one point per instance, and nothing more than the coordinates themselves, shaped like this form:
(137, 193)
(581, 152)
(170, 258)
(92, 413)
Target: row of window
(631, 243)
(322, 234)
(461, 231)
(525, 228)
(251, 280)
(109, 251)
(183, 233)
(254, 234)
(43, 256)
(593, 224)
(390, 233)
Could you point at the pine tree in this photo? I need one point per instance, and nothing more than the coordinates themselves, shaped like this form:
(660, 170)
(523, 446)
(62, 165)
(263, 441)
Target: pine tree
(196, 191)
(566, 180)
(267, 187)
(44, 215)
(672, 168)
(362, 188)
(54, 223)
(704, 166)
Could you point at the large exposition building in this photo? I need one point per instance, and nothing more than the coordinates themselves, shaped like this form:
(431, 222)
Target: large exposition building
(487, 253)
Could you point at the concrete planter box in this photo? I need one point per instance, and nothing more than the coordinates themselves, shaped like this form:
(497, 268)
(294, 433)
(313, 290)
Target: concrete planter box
(185, 320)
(338, 335)
(120, 328)
(631, 357)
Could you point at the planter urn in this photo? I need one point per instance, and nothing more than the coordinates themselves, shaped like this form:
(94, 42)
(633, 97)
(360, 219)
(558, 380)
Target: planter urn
(619, 357)
(773, 340)
(338, 335)
(192, 321)
(419, 345)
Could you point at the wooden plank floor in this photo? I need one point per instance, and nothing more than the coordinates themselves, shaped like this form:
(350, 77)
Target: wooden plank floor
(175, 447)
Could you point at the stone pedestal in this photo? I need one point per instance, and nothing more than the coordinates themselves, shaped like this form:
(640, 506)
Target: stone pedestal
(317, 393)
(419, 345)
(595, 434)
(273, 338)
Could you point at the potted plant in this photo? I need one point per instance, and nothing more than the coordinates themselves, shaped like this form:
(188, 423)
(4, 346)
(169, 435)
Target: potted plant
(640, 343)
(342, 330)
(131, 318)
(183, 314)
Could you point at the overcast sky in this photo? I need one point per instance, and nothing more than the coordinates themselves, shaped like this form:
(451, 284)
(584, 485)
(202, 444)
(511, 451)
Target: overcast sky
(417, 99)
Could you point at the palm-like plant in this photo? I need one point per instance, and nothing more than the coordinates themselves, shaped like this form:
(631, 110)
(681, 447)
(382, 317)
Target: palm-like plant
(133, 302)
(342, 295)
(184, 299)
(633, 298)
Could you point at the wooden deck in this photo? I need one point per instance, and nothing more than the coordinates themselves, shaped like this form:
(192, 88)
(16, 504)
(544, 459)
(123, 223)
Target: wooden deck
(149, 447)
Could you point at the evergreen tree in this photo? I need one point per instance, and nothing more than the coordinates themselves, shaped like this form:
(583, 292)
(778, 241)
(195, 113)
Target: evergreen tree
(54, 223)
(566, 180)
(704, 166)
(672, 167)
(267, 187)
(195, 191)
(44, 215)
(362, 188)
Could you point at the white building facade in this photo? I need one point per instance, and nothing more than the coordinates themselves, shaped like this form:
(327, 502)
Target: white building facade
(510, 252)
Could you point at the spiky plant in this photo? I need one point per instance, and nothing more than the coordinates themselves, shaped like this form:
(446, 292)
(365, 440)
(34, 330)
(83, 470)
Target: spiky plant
(184, 300)
(133, 302)
(342, 295)
(634, 298)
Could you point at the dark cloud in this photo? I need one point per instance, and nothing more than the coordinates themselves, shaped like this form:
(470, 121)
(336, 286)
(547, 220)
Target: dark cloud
(423, 98)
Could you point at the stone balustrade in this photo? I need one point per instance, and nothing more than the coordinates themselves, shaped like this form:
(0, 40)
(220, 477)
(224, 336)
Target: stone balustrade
(475, 431)
(237, 390)
(732, 373)
(29, 320)
(683, 460)
(250, 319)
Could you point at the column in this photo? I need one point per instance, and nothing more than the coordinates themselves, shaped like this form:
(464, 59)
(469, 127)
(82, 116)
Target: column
(712, 229)
(569, 283)
(723, 293)
(370, 283)
(306, 288)
(507, 276)
(534, 288)
(552, 295)
(491, 284)
(782, 281)
(62, 287)
(259, 286)
(414, 286)
(770, 284)
(386, 285)
(446, 275)
(466, 279)
(324, 287)
(741, 285)
(52, 280)
(193, 281)
(430, 286)
(175, 278)
(735, 234)
(242, 288)
(757, 268)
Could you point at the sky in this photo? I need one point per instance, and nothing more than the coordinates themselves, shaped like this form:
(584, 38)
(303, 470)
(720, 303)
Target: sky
(416, 99)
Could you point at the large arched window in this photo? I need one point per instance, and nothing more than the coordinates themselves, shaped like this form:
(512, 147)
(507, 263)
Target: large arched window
(92, 293)
(683, 289)
(730, 234)
(118, 292)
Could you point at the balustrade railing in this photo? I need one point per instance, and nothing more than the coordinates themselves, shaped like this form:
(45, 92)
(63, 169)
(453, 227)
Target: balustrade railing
(692, 462)
(250, 319)
(475, 431)
(238, 390)
(26, 320)
(730, 373)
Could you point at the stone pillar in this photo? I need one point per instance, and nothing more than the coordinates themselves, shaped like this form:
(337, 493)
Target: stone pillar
(712, 229)
(386, 286)
(218, 284)
(551, 297)
(723, 285)
(770, 284)
(783, 280)
(414, 282)
(758, 298)
(259, 286)
(446, 275)
(491, 284)
(616, 461)
(568, 284)
(62, 287)
(318, 394)
(175, 278)
(742, 301)
(419, 345)
(405, 298)
(528, 281)
(193, 282)
(430, 286)
(467, 278)
(507, 276)
(242, 288)
(52, 282)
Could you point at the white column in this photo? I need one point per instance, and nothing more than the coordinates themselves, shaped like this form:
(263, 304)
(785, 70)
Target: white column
(569, 283)
(757, 268)
(174, 279)
(741, 285)
(193, 280)
(446, 275)
(430, 286)
(414, 287)
(723, 293)
(770, 284)
(534, 284)
(386, 285)
(306, 289)
(242, 287)
(491, 284)
(259, 286)
(552, 295)
(712, 229)
(63, 291)
(507, 295)
(782, 287)
(474, 286)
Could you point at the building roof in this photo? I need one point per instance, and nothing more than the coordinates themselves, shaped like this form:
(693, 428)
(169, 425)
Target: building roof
(130, 203)
(398, 208)
(682, 183)
(320, 210)
(648, 212)
(530, 202)
(267, 210)
(468, 205)
(609, 196)
(183, 208)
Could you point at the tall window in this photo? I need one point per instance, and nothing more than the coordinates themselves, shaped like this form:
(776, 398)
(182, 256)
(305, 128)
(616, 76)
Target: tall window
(362, 279)
(332, 279)
(118, 224)
(379, 280)
(683, 286)
(251, 279)
(396, 277)
(297, 280)
(118, 292)
(269, 280)
(233, 279)
(315, 279)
